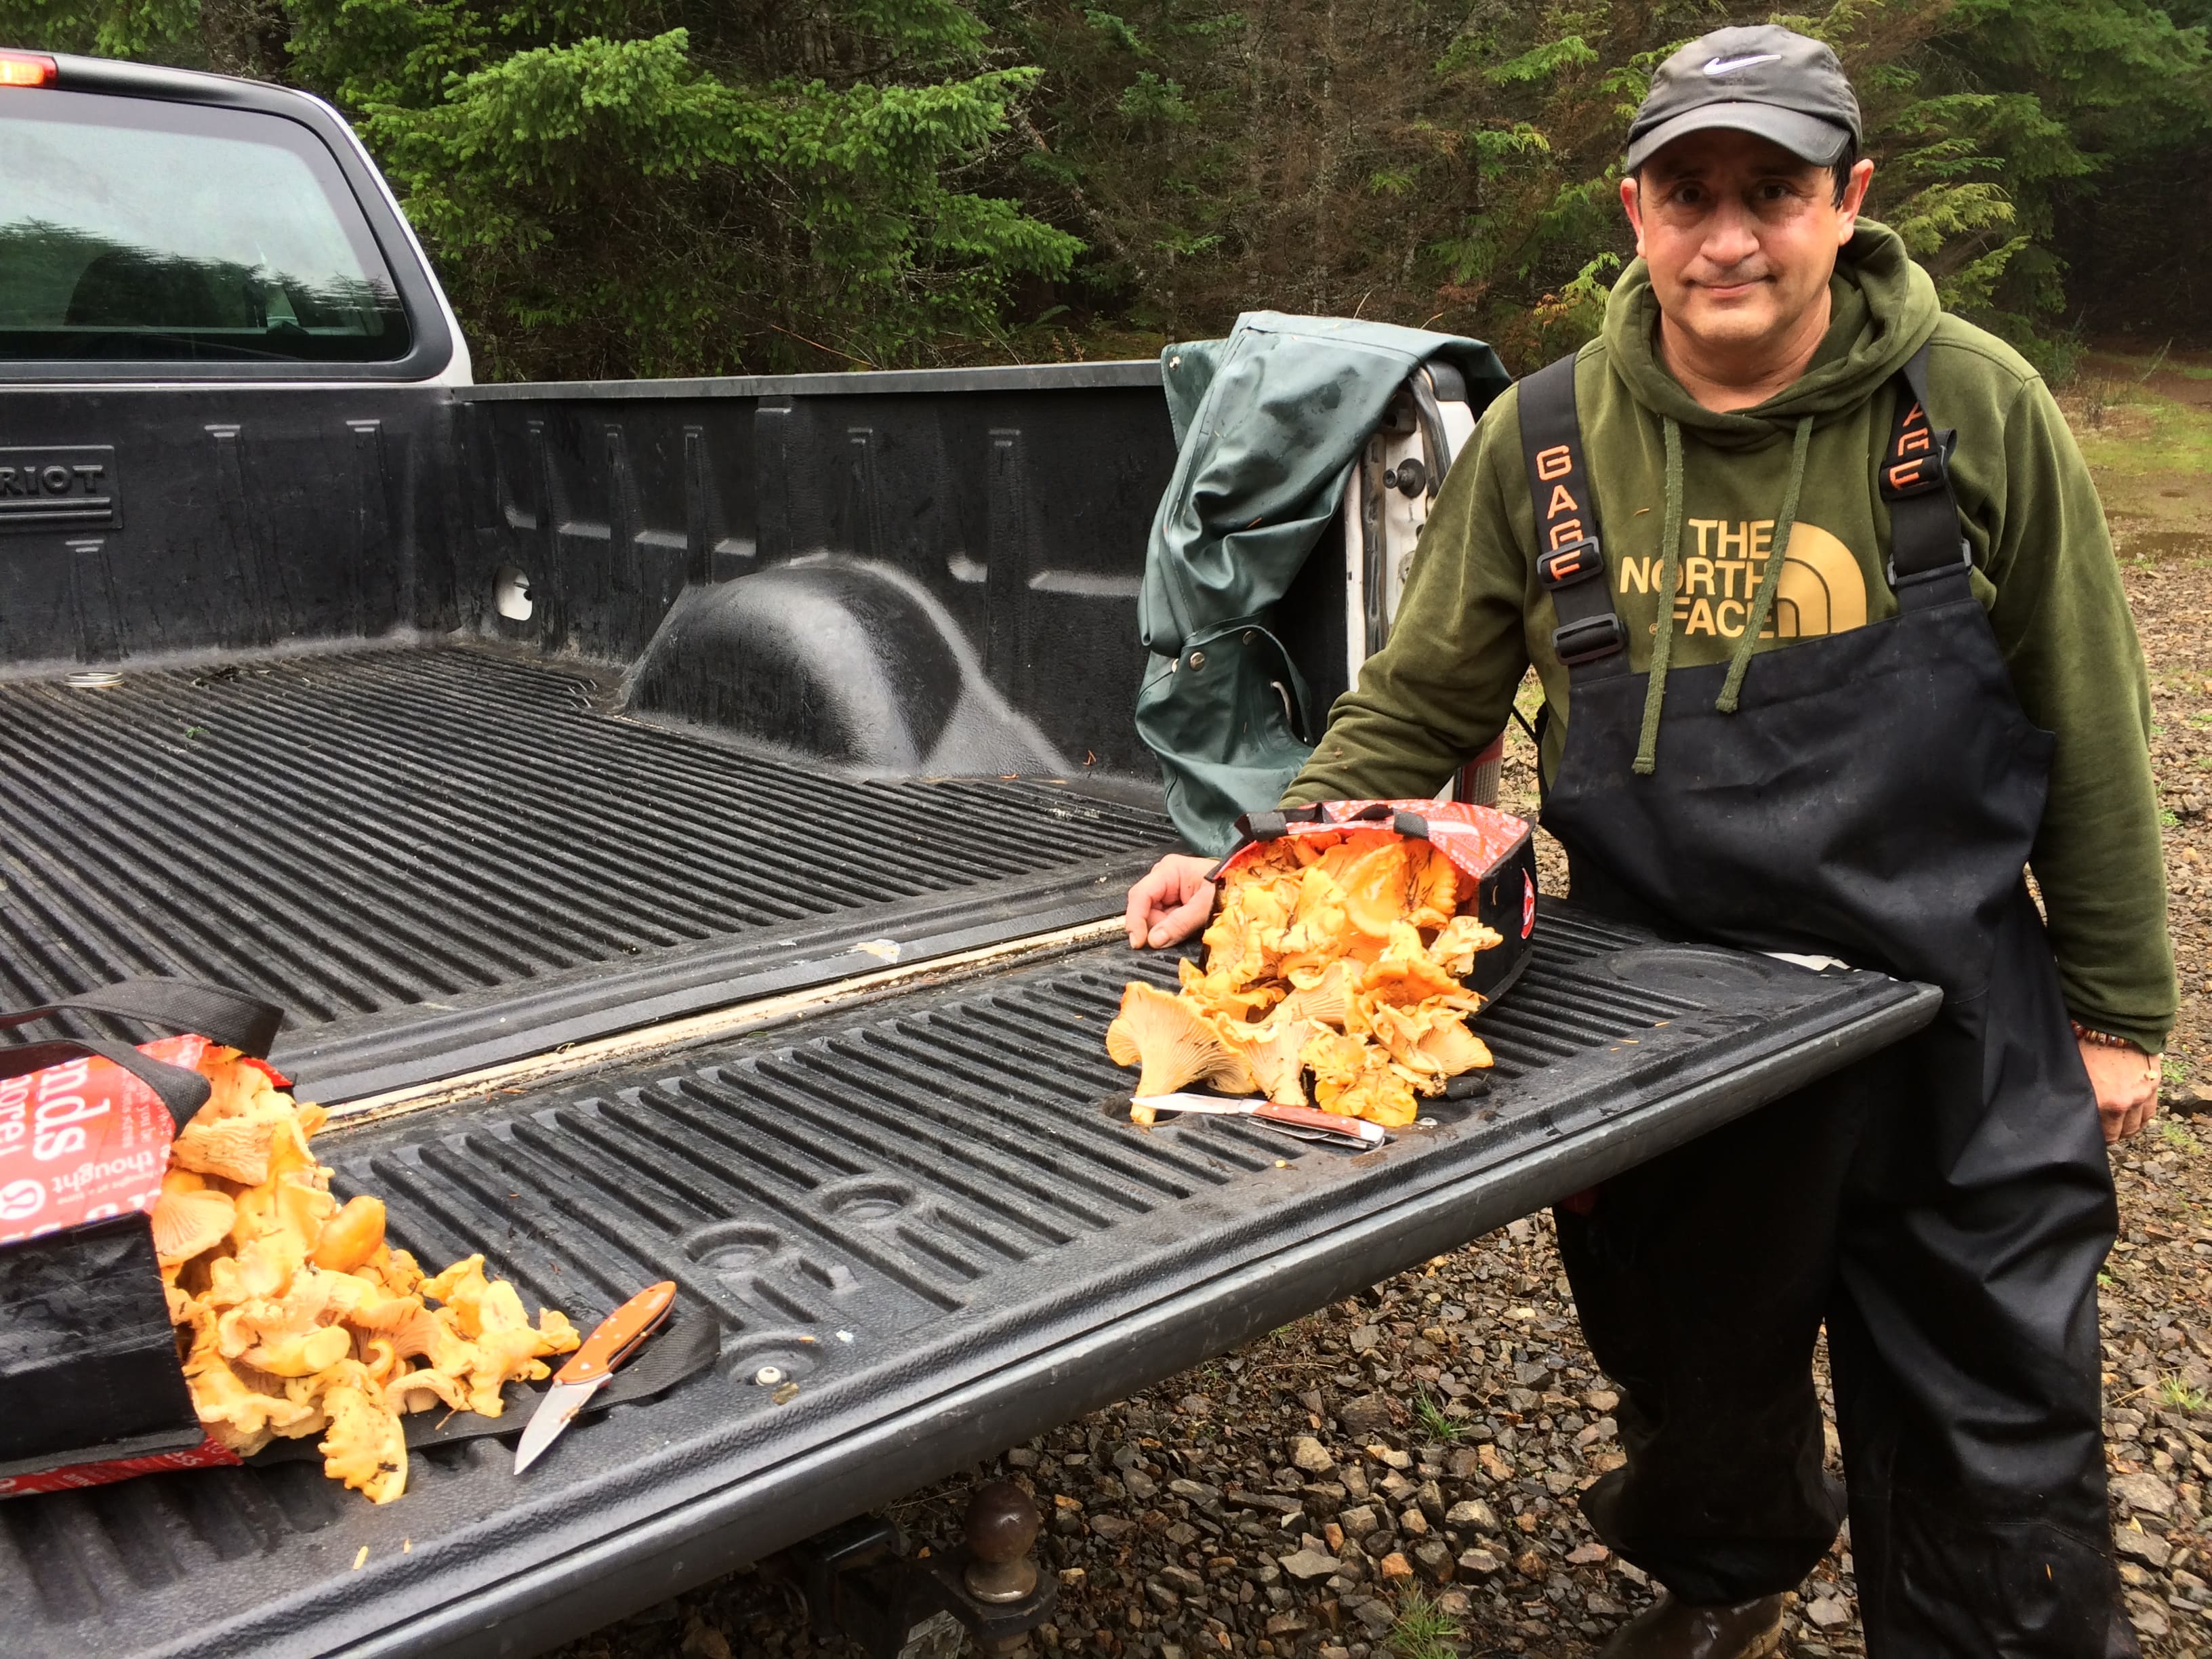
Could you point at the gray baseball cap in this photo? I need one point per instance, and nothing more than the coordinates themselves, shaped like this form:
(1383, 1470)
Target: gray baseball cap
(1766, 80)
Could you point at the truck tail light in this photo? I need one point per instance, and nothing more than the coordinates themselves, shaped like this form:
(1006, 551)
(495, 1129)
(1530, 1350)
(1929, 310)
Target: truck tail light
(27, 68)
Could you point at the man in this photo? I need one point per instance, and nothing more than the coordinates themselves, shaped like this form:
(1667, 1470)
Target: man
(1813, 687)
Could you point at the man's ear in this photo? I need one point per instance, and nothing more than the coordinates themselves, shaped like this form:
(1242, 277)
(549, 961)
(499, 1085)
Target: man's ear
(1855, 192)
(1632, 203)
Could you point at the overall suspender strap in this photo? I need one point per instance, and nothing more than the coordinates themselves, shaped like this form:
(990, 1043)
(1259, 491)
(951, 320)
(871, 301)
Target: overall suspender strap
(1927, 551)
(1928, 554)
(1590, 638)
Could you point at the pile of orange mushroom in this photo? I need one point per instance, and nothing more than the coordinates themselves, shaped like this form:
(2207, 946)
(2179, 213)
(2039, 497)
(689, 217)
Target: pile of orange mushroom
(296, 1318)
(1338, 959)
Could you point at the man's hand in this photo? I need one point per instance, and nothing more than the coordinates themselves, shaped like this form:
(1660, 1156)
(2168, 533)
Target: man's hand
(1171, 904)
(2126, 1082)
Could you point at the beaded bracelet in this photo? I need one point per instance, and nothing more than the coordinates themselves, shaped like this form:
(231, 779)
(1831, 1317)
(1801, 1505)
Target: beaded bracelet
(2154, 1064)
(2102, 1039)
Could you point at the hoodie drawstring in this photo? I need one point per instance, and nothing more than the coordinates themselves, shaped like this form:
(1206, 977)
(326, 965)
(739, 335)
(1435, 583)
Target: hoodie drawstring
(1670, 577)
(1762, 606)
(1770, 579)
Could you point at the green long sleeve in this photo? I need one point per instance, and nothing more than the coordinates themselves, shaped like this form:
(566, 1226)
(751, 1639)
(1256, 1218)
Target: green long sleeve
(1473, 617)
(1442, 688)
(2062, 620)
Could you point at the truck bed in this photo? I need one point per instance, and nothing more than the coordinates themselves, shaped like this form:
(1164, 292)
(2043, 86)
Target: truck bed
(476, 725)
(443, 857)
(930, 1211)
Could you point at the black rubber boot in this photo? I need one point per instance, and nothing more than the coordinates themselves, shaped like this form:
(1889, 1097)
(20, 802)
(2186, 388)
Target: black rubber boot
(1675, 1630)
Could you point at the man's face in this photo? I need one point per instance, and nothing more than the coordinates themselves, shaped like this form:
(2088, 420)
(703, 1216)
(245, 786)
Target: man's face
(1741, 235)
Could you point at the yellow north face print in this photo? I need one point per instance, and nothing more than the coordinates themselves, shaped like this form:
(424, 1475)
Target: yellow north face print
(1821, 590)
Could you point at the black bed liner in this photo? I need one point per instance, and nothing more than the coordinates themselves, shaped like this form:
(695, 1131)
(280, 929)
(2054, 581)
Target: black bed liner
(931, 1214)
(442, 857)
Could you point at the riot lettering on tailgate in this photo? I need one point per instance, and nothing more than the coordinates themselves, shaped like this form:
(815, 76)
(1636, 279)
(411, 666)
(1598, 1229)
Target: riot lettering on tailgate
(65, 487)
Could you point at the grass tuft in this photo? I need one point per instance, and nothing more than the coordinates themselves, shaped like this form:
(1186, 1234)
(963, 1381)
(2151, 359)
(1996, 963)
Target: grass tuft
(2179, 1396)
(1423, 1630)
(1433, 1421)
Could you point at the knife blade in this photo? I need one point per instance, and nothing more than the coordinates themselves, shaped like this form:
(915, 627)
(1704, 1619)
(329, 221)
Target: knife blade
(612, 1340)
(1296, 1117)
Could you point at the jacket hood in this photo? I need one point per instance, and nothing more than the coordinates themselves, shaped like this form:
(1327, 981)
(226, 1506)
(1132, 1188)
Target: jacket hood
(1884, 308)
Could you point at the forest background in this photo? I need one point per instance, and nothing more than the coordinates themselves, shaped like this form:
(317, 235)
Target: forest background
(652, 187)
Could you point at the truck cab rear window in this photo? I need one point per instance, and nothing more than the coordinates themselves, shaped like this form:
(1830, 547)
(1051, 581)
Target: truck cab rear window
(135, 230)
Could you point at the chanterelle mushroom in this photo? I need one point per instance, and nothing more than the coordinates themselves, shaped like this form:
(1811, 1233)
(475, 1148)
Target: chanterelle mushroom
(1455, 1049)
(1431, 1041)
(1165, 1036)
(1271, 1051)
(1321, 994)
(1344, 958)
(1455, 945)
(189, 1219)
(1405, 977)
(1354, 1078)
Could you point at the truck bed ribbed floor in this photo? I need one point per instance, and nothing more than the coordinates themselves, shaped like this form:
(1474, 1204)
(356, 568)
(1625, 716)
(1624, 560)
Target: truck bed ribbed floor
(440, 858)
(932, 1214)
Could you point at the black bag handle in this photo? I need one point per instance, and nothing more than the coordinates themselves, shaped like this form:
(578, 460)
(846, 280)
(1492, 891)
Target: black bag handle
(229, 1018)
(1271, 826)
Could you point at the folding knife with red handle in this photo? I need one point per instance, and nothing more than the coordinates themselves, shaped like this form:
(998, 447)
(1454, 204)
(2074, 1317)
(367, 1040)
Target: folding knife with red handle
(1294, 1117)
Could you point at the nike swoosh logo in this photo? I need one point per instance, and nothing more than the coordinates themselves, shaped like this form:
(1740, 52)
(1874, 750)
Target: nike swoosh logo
(1729, 65)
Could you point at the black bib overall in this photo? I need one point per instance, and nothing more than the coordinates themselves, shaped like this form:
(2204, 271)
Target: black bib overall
(1943, 1208)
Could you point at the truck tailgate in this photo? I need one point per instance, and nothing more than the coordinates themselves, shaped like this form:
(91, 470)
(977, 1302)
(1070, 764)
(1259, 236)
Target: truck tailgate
(931, 1213)
(442, 857)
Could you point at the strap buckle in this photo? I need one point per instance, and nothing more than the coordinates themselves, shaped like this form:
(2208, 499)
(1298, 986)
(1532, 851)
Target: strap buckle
(1588, 640)
(1928, 472)
(1570, 563)
(1965, 565)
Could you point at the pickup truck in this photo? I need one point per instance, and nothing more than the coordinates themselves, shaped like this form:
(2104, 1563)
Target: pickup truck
(687, 822)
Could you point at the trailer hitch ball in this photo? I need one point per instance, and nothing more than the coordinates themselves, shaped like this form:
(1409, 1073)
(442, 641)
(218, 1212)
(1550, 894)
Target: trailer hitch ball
(1002, 1527)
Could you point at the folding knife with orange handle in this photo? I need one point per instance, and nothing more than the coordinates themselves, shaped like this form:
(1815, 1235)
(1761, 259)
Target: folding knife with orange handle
(615, 1338)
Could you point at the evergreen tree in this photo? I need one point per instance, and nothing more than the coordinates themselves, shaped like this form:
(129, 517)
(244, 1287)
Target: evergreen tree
(1456, 161)
(653, 187)
(660, 186)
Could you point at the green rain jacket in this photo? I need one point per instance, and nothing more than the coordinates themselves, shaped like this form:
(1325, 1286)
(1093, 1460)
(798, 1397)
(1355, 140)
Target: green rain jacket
(1473, 617)
(1268, 424)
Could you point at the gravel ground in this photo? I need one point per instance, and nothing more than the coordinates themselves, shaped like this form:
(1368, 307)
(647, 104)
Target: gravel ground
(1396, 1473)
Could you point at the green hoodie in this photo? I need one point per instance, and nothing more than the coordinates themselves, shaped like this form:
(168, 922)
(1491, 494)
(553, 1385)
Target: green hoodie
(1474, 617)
